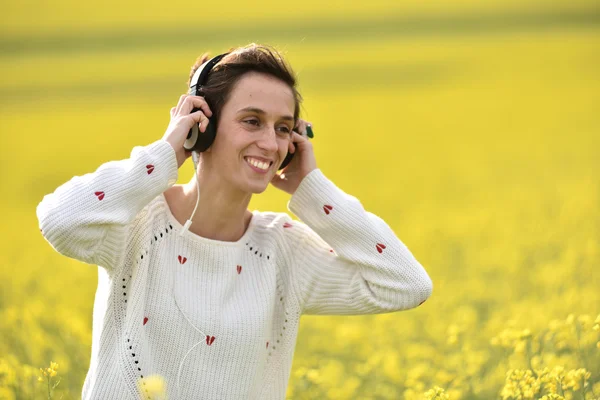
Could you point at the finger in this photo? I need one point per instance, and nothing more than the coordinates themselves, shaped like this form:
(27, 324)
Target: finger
(298, 138)
(301, 142)
(199, 118)
(192, 102)
(301, 126)
(204, 123)
(173, 111)
(181, 100)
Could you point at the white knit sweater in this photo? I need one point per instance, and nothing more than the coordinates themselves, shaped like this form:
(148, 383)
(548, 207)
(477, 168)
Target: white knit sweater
(216, 319)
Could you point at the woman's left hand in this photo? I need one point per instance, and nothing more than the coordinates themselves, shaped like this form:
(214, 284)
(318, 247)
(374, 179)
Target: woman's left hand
(303, 162)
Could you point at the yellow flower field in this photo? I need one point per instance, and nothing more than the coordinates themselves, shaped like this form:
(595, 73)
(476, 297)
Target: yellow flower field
(471, 128)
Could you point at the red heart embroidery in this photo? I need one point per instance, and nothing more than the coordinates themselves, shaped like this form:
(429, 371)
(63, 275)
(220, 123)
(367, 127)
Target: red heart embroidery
(145, 320)
(380, 247)
(182, 260)
(422, 302)
(327, 208)
(150, 168)
(210, 340)
(287, 225)
(100, 195)
(331, 250)
(239, 269)
(267, 345)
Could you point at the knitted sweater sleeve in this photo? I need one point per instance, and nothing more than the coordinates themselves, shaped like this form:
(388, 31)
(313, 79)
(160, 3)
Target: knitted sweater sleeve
(348, 261)
(88, 218)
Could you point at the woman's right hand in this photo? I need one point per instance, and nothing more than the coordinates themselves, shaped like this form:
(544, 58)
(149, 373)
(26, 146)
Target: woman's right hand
(182, 121)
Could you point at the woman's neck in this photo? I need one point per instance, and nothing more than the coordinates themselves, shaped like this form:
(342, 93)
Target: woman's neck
(217, 216)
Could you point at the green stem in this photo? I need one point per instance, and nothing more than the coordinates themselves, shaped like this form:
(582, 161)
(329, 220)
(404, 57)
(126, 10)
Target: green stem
(541, 341)
(578, 332)
(528, 348)
(560, 389)
(48, 380)
(583, 387)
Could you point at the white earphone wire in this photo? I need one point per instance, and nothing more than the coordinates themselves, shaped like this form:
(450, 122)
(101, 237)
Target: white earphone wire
(185, 229)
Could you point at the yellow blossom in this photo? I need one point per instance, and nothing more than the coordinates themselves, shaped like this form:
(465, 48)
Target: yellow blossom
(552, 396)
(520, 384)
(437, 393)
(574, 378)
(153, 386)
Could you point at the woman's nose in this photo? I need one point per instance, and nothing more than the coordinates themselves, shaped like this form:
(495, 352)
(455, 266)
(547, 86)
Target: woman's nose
(268, 140)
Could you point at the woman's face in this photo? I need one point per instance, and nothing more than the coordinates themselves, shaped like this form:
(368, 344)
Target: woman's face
(256, 122)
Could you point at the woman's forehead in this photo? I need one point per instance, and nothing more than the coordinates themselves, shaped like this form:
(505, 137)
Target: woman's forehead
(263, 92)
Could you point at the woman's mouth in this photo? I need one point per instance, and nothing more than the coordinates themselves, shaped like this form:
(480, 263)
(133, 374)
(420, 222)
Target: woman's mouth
(259, 166)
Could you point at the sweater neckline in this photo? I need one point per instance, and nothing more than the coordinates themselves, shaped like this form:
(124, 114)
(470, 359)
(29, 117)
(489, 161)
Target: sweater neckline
(203, 240)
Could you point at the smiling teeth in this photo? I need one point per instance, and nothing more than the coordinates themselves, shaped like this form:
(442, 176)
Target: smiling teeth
(258, 164)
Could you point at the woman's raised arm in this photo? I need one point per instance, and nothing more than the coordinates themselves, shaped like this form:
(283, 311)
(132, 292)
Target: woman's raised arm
(88, 217)
(347, 260)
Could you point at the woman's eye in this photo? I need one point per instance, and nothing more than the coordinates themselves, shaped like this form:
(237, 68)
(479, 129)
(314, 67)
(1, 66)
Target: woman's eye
(256, 122)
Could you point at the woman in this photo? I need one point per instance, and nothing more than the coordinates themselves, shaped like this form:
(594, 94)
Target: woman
(215, 312)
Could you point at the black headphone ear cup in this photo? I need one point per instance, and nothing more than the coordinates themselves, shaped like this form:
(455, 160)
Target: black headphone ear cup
(206, 138)
(200, 141)
(288, 158)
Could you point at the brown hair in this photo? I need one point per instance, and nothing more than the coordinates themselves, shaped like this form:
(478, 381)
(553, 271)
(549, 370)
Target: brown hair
(228, 71)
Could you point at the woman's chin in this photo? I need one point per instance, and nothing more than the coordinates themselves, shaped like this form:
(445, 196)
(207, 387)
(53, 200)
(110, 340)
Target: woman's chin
(256, 186)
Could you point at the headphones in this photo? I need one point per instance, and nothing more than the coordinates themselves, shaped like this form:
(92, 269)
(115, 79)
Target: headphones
(200, 141)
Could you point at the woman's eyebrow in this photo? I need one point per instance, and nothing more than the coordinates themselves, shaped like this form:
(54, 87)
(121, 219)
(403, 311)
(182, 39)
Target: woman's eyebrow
(262, 112)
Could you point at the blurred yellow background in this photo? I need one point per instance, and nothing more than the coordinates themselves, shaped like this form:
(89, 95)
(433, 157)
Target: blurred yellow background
(468, 126)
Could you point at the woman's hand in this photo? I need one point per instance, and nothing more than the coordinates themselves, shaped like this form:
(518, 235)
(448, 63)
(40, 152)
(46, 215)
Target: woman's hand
(182, 121)
(302, 163)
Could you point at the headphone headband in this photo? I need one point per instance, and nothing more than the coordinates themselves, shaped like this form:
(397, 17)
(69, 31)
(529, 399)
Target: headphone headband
(201, 75)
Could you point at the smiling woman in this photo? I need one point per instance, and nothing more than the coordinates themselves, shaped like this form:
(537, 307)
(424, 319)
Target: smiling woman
(262, 131)
(215, 311)
(248, 106)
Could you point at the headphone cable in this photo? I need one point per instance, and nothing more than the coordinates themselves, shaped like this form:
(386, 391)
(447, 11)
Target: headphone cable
(186, 227)
(181, 233)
